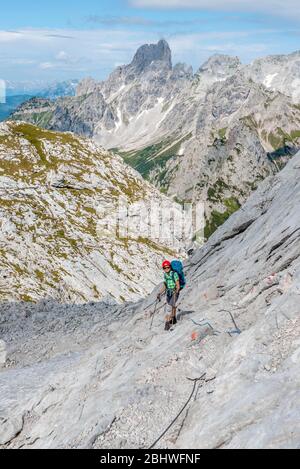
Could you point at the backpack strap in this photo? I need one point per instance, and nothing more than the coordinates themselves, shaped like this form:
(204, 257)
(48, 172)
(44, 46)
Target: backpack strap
(179, 278)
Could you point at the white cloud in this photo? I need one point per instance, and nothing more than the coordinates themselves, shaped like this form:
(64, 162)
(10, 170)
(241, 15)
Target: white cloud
(120, 20)
(25, 36)
(190, 43)
(63, 56)
(67, 53)
(196, 48)
(47, 65)
(70, 53)
(290, 8)
(9, 36)
(232, 48)
(23, 61)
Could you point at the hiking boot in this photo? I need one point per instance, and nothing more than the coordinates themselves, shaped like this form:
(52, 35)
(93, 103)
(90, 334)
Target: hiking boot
(173, 321)
(167, 325)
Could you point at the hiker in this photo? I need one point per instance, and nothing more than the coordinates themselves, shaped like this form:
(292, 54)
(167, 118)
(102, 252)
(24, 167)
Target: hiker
(171, 288)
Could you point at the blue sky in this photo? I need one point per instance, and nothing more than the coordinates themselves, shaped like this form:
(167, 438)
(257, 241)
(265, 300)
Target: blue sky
(73, 39)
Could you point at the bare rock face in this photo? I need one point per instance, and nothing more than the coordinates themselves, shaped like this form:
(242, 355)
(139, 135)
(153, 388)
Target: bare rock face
(86, 86)
(182, 71)
(97, 375)
(278, 72)
(149, 53)
(220, 66)
(3, 353)
(237, 142)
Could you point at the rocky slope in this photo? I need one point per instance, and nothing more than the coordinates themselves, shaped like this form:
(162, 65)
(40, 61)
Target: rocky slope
(210, 136)
(60, 235)
(243, 134)
(97, 376)
(279, 73)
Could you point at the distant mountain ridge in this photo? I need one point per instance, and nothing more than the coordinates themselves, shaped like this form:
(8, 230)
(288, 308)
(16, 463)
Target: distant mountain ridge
(41, 88)
(11, 104)
(17, 93)
(209, 136)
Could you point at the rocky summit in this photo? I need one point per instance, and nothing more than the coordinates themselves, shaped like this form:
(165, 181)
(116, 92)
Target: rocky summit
(99, 376)
(149, 53)
(278, 72)
(212, 135)
(62, 234)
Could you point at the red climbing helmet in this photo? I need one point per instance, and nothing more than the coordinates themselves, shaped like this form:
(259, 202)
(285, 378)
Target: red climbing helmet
(166, 264)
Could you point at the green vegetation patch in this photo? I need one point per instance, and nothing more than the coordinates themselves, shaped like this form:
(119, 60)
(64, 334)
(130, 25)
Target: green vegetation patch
(26, 298)
(218, 218)
(280, 138)
(215, 192)
(42, 119)
(35, 136)
(132, 189)
(232, 205)
(222, 133)
(295, 134)
(60, 234)
(40, 275)
(126, 241)
(156, 247)
(153, 156)
(250, 122)
(21, 165)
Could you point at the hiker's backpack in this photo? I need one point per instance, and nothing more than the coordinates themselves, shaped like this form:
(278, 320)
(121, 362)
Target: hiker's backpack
(177, 267)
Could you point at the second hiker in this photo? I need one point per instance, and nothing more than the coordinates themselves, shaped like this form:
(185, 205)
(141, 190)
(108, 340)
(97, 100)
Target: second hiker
(171, 288)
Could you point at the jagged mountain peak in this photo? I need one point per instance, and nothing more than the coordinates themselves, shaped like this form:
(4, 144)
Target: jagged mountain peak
(87, 85)
(277, 58)
(220, 63)
(149, 53)
(278, 72)
(182, 70)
